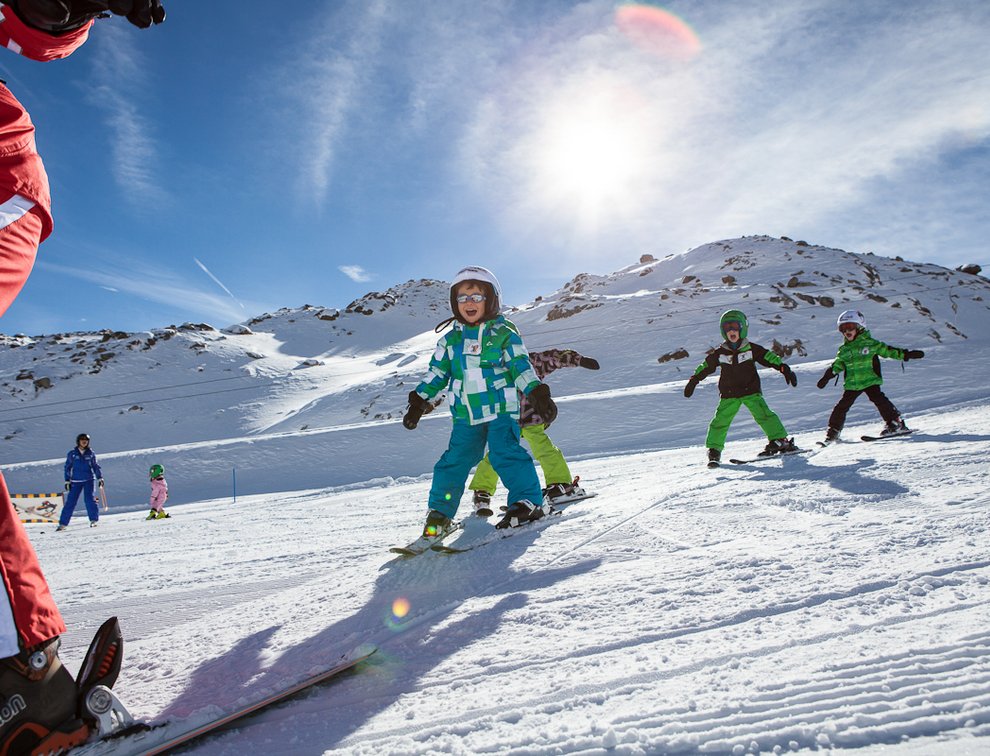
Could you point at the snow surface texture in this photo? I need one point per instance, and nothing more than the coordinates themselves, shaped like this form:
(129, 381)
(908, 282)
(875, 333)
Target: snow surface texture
(832, 601)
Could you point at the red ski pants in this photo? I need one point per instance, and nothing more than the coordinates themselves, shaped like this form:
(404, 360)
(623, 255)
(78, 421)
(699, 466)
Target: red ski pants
(36, 617)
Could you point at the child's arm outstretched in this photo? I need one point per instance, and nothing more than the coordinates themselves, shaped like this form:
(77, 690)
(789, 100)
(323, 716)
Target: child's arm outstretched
(549, 360)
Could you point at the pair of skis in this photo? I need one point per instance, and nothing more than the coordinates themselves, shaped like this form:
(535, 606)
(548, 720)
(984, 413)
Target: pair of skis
(476, 531)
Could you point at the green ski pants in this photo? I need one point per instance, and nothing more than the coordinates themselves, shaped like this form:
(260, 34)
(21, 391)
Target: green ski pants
(551, 459)
(726, 411)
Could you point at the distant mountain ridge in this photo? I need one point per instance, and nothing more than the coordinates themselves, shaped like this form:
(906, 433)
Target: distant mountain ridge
(310, 367)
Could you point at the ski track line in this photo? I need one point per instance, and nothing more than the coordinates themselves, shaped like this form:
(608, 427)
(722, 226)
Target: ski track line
(741, 618)
(881, 701)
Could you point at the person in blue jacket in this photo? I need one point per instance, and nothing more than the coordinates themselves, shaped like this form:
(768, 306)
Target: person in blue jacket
(81, 471)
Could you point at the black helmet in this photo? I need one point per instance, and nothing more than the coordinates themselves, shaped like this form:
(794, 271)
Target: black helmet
(80, 437)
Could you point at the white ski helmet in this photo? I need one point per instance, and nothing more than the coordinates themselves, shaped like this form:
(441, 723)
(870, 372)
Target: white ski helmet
(493, 305)
(851, 316)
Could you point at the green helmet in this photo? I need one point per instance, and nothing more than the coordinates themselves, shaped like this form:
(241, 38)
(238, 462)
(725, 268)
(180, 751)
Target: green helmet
(734, 316)
(156, 471)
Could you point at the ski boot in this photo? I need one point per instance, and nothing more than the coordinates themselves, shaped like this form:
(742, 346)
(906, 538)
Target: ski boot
(714, 458)
(437, 525)
(60, 527)
(519, 513)
(152, 514)
(94, 523)
(778, 446)
(563, 491)
(483, 504)
(831, 436)
(45, 711)
(162, 515)
(894, 428)
(38, 703)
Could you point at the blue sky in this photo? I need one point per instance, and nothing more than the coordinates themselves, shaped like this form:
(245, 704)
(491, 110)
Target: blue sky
(235, 160)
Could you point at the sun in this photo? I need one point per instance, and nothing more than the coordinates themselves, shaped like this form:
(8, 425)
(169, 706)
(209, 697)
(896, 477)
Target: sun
(588, 156)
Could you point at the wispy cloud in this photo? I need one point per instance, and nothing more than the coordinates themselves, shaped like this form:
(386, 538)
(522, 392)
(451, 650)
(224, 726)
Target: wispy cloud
(118, 82)
(355, 273)
(161, 286)
(217, 281)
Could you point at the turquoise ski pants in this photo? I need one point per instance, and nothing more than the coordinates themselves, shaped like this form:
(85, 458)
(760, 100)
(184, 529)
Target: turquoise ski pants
(765, 417)
(467, 447)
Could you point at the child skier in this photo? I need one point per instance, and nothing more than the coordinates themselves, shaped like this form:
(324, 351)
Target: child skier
(40, 701)
(159, 493)
(484, 362)
(739, 384)
(556, 475)
(81, 471)
(859, 358)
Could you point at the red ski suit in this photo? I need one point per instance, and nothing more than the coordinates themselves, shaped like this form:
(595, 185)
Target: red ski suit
(25, 222)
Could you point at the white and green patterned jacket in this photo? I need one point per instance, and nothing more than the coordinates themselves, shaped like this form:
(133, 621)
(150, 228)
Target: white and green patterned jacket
(484, 366)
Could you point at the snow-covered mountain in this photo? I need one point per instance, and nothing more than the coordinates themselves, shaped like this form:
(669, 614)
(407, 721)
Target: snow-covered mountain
(242, 393)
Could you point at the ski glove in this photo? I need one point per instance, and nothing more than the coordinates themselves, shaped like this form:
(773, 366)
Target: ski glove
(141, 13)
(100, 481)
(788, 374)
(539, 399)
(589, 363)
(60, 16)
(913, 354)
(68, 485)
(692, 384)
(417, 407)
(827, 376)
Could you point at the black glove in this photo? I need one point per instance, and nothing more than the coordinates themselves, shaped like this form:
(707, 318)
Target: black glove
(59, 16)
(539, 399)
(68, 485)
(913, 354)
(827, 376)
(100, 481)
(692, 384)
(417, 406)
(589, 363)
(788, 374)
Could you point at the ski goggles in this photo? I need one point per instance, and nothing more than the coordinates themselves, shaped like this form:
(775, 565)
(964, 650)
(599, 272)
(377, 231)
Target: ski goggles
(731, 325)
(849, 328)
(476, 298)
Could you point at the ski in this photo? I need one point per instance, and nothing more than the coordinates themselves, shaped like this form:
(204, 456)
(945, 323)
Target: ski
(423, 543)
(770, 456)
(889, 435)
(148, 740)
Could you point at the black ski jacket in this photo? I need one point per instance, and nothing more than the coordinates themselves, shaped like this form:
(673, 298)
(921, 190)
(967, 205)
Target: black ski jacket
(739, 377)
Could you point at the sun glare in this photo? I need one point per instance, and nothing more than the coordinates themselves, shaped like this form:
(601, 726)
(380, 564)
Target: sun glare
(590, 155)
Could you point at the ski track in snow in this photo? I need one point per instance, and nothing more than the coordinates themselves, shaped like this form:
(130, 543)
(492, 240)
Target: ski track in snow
(829, 601)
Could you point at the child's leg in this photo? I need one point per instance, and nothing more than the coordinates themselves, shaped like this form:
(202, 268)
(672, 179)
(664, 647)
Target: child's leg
(765, 417)
(466, 448)
(27, 604)
(513, 465)
(718, 428)
(70, 503)
(484, 478)
(837, 420)
(887, 409)
(92, 509)
(551, 459)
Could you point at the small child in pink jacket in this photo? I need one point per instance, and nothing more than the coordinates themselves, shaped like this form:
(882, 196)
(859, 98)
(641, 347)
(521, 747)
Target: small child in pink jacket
(159, 493)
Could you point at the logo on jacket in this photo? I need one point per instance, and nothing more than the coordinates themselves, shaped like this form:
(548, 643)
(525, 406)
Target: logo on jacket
(12, 708)
(472, 347)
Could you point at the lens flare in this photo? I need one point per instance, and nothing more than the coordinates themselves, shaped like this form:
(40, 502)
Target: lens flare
(400, 607)
(657, 31)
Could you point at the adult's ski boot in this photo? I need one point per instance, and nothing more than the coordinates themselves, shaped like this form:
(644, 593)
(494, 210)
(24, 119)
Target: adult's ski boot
(45, 711)
(519, 513)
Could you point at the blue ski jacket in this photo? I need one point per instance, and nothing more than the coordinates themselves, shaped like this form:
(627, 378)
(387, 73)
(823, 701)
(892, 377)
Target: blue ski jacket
(81, 466)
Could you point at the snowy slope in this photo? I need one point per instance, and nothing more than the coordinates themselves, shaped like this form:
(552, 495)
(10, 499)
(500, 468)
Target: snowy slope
(837, 602)
(832, 602)
(296, 399)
